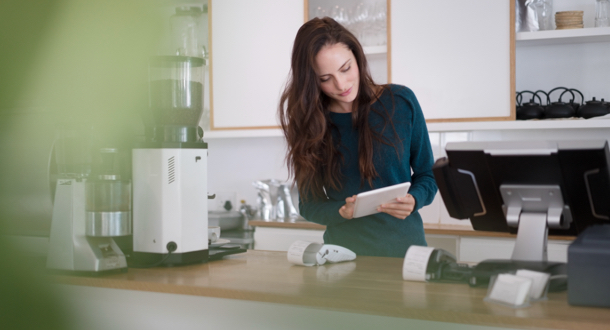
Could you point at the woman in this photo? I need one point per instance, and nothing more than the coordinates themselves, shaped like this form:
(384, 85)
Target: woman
(348, 135)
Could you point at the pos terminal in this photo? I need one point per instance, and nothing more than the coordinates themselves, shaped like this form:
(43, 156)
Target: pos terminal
(531, 188)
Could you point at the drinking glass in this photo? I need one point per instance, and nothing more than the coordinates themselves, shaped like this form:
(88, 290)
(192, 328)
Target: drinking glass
(601, 13)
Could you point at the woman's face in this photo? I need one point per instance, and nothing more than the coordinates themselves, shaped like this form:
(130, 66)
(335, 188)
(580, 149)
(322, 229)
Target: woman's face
(339, 76)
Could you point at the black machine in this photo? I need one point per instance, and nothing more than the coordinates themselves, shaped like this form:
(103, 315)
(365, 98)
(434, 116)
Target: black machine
(532, 188)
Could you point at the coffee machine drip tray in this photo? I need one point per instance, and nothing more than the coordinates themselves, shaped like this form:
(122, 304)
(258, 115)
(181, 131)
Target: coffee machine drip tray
(148, 260)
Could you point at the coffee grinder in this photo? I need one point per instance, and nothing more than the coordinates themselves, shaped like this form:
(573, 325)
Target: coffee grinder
(91, 206)
(169, 169)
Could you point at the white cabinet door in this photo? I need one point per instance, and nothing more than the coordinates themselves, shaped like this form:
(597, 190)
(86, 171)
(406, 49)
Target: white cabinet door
(251, 44)
(456, 56)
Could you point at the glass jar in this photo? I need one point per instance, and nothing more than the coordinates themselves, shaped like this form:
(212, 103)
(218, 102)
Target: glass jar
(602, 8)
(185, 29)
(108, 199)
(176, 96)
(543, 10)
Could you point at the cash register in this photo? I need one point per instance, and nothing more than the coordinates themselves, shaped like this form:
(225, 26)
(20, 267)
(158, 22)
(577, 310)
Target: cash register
(532, 189)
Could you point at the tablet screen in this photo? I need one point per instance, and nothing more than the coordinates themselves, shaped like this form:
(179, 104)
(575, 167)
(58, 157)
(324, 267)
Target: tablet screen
(367, 202)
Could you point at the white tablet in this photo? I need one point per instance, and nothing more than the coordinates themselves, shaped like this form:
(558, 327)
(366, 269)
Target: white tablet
(367, 202)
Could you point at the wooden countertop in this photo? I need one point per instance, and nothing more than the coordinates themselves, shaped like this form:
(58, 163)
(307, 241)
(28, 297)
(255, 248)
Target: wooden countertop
(437, 229)
(370, 285)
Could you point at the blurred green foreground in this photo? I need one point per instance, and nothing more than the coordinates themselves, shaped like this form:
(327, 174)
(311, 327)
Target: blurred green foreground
(61, 60)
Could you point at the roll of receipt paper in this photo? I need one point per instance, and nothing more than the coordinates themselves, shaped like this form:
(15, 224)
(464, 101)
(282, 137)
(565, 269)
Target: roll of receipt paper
(416, 263)
(311, 254)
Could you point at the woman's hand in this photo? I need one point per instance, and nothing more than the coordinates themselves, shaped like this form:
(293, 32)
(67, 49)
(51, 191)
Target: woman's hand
(400, 210)
(347, 210)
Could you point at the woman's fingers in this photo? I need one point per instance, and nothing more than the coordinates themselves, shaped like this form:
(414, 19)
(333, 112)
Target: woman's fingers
(397, 207)
(400, 214)
(401, 209)
(351, 199)
(347, 210)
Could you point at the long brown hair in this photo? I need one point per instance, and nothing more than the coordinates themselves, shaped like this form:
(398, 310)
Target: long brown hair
(313, 157)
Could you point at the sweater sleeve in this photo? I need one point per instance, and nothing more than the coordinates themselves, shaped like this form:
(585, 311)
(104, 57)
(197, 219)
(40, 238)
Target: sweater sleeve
(423, 185)
(325, 212)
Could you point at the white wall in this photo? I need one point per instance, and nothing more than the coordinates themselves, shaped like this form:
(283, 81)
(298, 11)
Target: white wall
(234, 163)
(585, 67)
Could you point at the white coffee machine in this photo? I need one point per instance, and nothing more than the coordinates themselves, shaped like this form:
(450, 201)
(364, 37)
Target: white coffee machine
(90, 208)
(169, 169)
(170, 216)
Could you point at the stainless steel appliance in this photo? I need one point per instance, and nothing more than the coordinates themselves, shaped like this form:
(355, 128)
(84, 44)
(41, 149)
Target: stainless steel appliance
(91, 206)
(275, 200)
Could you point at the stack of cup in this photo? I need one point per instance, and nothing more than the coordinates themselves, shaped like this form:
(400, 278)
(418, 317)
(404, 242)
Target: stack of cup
(568, 20)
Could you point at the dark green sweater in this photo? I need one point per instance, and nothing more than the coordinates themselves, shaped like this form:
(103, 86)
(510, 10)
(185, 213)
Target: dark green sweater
(380, 234)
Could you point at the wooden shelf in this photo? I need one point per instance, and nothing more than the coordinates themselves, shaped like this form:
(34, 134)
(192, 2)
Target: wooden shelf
(303, 224)
(242, 133)
(442, 127)
(570, 36)
(519, 125)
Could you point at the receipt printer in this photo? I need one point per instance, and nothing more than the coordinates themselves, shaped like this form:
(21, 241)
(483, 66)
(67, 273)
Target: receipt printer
(589, 268)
